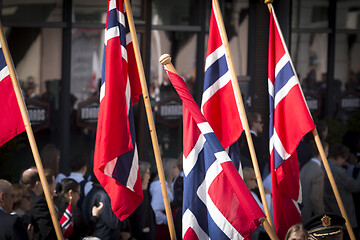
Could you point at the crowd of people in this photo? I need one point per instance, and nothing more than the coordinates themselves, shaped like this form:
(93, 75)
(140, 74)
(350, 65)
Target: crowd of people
(25, 204)
(25, 214)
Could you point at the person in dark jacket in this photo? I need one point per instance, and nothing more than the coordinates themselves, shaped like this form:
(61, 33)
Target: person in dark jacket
(39, 211)
(142, 221)
(12, 227)
(69, 192)
(109, 226)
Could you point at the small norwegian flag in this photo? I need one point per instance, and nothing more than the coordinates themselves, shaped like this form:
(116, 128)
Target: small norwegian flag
(66, 222)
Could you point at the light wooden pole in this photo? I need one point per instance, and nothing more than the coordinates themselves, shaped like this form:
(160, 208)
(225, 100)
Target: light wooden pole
(316, 136)
(30, 133)
(150, 118)
(242, 110)
(165, 60)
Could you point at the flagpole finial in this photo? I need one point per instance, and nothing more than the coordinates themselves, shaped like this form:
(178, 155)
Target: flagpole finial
(165, 59)
(268, 1)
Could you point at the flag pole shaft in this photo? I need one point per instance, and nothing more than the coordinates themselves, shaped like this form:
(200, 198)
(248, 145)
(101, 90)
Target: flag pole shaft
(150, 118)
(30, 134)
(316, 137)
(269, 230)
(242, 111)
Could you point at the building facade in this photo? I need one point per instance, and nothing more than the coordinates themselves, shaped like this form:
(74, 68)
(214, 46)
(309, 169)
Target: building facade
(57, 45)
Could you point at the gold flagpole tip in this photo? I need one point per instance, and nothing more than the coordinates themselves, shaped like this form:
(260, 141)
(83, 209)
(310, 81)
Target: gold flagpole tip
(165, 59)
(268, 1)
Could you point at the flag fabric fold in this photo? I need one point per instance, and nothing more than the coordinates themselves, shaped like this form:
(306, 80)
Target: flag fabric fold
(115, 158)
(216, 203)
(66, 222)
(219, 103)
(290, 120)
(11, 122)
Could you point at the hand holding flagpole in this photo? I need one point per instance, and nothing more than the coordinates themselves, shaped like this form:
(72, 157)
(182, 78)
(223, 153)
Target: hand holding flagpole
(30, 134)
(317, 138)
(150, 118)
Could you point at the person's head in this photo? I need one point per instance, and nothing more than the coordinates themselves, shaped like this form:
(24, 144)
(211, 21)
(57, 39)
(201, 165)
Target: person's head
(31, 179)
(323, 130)
(255, 122)
(30, 85)
(249, 178)
(50, 178)
(69, 189)
(78, 164)
(171, 169)
(325, 226)
(339, 153)
(6, 195)
(297, 232)
(144, 173)
(315, 151)
(180, 161)
(50, 157)
(21, 197)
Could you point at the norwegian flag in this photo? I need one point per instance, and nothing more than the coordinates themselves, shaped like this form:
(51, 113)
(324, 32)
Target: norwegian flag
(290, 120)
(66, 222)
(116, 159)
(11, 122)
(219, 103)
(216, 203)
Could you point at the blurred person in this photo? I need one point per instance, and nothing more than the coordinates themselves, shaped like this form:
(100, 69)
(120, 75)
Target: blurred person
(109, 227)
(50, 178)
(12, 227)
(78, 167)
(39, 211)
(142, 221)
(303, 150)
(251, 183)
(21, 199)
(50, 157)
(312, 183)
(177, 203)
(297, 232)
(260, 145)
(30, 87)
(346, 185)
(171, 171)
(22, 205)
(68, 192)
(322, 129)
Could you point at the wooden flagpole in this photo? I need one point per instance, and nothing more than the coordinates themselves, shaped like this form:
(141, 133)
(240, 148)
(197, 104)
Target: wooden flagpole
(242, 110)
(30, 134)
(150, 118)
(317, 138)
(165, 60)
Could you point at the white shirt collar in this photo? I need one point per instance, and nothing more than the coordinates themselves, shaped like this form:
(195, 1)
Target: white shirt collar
(316, 161)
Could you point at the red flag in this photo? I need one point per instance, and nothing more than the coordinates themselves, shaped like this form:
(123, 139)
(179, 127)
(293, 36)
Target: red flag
(116, 158)
(66, 222)
(290, 120)
(217, 203)
(11, 122)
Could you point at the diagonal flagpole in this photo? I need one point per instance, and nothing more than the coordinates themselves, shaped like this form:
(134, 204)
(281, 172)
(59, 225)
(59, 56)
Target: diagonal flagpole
(150, 118)
(242, 110)
(316, 136)
(30, 134)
